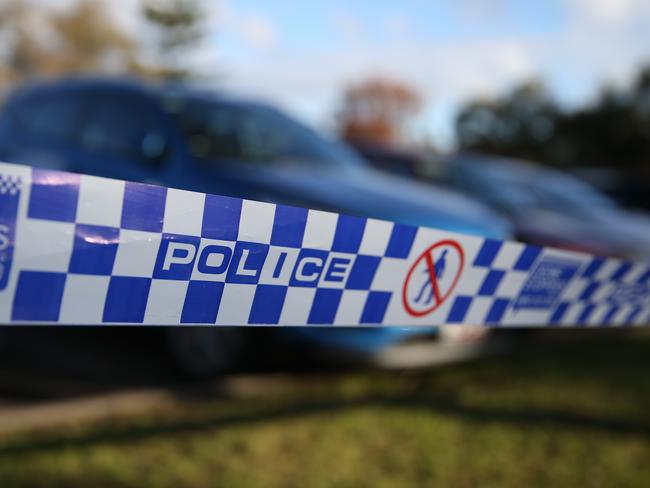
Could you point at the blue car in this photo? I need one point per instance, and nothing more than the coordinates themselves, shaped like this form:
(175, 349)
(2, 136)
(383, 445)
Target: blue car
(212, 143)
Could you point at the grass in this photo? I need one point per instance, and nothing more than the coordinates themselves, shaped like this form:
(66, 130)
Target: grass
(567, 415)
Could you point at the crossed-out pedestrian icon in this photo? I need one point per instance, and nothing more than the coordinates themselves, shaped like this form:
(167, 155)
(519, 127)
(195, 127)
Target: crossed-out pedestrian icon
(441, 264)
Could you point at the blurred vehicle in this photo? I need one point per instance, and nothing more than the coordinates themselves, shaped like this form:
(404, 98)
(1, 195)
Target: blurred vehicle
(184, 138)
(548, 207)
(392, 160)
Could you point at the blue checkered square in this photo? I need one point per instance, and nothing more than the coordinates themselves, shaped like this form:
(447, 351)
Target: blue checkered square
(559, 312)
(267, 304)
(459, 309)
(38, 296)
(94, 250)
(348, 234)
(491, 282)
(527, 258)
(401, 241)
(143, 207)
(593, 267)
(621, 271)
(375, 307)
(202, 302)
(126, 299)
(497, 310)
(488, 252)
(362, 272)
(288, 226)
(221, 218)
(54, 195)
(325, 305)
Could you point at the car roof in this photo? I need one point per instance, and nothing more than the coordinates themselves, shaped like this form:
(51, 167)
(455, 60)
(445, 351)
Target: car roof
(150, 88)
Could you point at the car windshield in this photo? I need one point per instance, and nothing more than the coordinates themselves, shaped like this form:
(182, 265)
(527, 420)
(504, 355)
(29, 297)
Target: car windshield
(252, 133)
(541, 189)
(564, 192)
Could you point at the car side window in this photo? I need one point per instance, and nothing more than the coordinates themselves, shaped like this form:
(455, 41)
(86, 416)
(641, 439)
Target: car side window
(214, 133)
(252, 134)
(51, 117)
(124, 126)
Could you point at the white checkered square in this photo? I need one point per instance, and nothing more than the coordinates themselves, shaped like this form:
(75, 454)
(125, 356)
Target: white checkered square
(606, 271)
(165, 302)
(35, 236)
(635, 273)
(83, 299)
(256, 222)
(478, 310)
(511, 284)
(319, 230)
(375, 237)
(572, 314)
(350, 307)
(598, 315)
(236, 302)
(507, 256)
(183, 212)
(297, 305)
(472, 280)
(100, 201)
(136, 254)
(390, 274)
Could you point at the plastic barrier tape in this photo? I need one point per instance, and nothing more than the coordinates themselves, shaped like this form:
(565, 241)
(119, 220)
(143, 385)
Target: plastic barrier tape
(79, 249)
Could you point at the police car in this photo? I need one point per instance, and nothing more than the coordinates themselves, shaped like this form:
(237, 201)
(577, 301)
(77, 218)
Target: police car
(209, 142)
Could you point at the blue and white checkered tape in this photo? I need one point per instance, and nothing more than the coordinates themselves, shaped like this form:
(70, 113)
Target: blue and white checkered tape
(78, 249)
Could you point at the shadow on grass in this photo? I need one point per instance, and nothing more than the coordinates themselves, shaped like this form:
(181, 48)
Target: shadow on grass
(444, 406)
(619, 367)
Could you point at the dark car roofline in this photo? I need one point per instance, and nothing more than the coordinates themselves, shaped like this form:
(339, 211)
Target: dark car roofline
(469, 159)
(156, 88)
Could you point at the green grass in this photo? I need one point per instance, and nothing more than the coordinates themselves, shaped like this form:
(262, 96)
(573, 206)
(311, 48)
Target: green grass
(569, 415)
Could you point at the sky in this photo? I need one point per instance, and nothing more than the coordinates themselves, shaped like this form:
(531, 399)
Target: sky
(301, 54)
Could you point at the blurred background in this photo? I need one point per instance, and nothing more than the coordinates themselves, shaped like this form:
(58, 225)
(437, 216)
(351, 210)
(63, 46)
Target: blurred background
(497, 118)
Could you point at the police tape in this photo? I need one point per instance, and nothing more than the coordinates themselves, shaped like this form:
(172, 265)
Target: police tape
(78, 249)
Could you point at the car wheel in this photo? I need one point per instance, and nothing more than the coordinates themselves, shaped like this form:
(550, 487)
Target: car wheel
(205, 351)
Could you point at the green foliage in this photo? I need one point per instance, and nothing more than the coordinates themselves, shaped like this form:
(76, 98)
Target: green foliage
(178, 25)
(527, 123)
(562, 415)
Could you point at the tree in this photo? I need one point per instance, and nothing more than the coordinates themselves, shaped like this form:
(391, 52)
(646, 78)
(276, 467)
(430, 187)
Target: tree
(38, 42)
(519, 124)
(376, 111)
(178, 26)
(89, 42)
(613, 132)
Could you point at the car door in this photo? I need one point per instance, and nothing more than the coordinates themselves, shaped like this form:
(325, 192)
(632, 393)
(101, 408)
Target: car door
(247, 151)
(126, 136)
(40, 129)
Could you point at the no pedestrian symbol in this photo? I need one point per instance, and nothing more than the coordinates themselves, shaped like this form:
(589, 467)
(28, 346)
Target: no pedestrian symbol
(432, 277)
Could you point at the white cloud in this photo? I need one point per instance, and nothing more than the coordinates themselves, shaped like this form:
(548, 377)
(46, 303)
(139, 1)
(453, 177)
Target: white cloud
(347, 24)
(609, 11)
(257, 30)
(396, 23)
(598, 40)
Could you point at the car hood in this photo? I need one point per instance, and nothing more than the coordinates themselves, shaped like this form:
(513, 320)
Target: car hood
(369, 193)
(613, 232)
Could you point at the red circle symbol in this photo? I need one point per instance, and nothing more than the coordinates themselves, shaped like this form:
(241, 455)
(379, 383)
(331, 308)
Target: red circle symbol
(438, 297)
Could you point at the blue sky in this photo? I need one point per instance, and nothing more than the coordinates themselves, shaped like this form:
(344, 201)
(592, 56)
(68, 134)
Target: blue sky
(301, 54)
